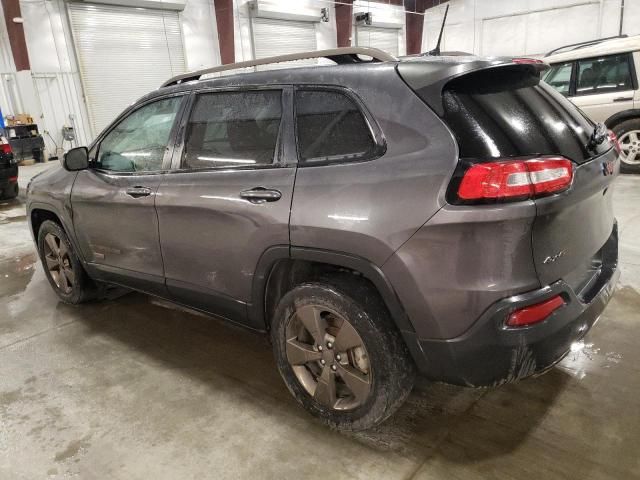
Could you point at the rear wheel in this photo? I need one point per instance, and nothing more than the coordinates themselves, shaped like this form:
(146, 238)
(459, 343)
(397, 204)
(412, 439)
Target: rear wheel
(62, 266)
(628, 133)
(340, 355)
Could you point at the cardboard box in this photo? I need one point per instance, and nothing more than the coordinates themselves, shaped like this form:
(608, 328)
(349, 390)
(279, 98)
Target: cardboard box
(19, 119)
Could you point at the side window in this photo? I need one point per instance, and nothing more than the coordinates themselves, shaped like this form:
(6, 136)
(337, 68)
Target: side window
(330, 126)
(602, 75)
(559, 77)
(138, 143)
(233, 129)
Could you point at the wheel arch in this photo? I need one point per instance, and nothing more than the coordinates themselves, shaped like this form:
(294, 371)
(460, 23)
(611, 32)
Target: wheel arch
(38, 213)
(619, 117)
(281, 267)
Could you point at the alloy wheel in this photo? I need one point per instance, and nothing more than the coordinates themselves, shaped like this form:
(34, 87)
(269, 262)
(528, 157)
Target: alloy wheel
(328, 357)
(58, 263)
(630, 145)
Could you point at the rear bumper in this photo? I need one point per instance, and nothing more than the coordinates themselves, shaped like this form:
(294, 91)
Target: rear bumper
(9, 181)
(491, 354)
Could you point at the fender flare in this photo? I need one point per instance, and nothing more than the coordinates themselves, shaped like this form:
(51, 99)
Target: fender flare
(67, 228)
(256, 309)
(622, 116)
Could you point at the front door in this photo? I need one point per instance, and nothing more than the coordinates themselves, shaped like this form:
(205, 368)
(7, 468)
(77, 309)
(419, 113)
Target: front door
(228, 199)
(113, 201)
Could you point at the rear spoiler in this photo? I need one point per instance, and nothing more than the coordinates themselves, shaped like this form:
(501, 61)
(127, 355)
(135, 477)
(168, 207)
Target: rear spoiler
(429, 78)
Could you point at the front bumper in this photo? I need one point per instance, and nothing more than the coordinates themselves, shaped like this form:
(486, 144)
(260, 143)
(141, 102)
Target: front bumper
(491, 354)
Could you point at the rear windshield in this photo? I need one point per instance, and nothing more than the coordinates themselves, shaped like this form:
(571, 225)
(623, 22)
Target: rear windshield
(509, 112)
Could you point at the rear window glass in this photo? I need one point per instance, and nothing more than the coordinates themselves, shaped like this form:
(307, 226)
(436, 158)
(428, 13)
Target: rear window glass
(509, 112)
(330, 126)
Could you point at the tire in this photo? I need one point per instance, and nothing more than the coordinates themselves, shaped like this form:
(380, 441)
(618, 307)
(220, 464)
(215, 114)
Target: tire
(391, 371)
(54, 248)
(628, 133)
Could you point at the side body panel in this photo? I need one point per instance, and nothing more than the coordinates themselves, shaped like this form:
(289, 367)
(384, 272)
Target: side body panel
(369, 209)
(460, 262)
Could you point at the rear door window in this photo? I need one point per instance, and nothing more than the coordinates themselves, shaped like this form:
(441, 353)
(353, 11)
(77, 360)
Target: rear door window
(331, 127)
(233, 129)
(603, 75)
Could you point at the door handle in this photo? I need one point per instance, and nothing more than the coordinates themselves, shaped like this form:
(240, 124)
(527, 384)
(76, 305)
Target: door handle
(137, 192)
(261, 195)
(623, 99)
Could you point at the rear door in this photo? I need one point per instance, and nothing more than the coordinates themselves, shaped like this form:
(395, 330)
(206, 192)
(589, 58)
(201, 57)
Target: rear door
(604, 85)
(113, 201)
(229, 198)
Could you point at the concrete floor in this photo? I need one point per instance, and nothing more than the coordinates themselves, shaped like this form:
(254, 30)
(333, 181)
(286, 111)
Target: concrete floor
(136, 389)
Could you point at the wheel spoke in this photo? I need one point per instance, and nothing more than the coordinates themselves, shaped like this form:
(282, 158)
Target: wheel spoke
(326, 389)
(64, 282)
(633, 136)
(356, 381)
(313, 322)
(299, 353)
(347, 338)
(63, 249)
(70, 276)
(52, 262)
(51, 242)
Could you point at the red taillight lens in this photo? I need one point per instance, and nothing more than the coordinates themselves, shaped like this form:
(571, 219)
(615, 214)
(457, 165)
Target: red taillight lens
(5, 147)
(13, 179)
(535, 313)
(613, 138)
(516, 178)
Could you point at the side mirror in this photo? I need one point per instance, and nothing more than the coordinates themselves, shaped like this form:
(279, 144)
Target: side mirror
(76, 159)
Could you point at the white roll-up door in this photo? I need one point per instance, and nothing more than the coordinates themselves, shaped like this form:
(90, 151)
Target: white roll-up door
(383, 38)
(278, 37)
(123, 53)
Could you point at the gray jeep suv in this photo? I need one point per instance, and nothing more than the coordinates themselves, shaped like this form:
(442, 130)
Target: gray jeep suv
(450, 216)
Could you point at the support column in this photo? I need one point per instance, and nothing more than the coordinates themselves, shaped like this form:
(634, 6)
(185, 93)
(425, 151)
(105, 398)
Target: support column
(225, 26)
(344, 22)
(415, 22)
(16, 34)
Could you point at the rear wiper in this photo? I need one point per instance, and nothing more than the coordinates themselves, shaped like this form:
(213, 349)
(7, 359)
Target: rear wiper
(599, 135)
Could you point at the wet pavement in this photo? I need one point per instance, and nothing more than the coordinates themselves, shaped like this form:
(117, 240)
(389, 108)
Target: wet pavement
(135, 388)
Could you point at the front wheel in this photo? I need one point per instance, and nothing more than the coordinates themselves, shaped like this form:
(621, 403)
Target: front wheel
(340, 355)
(62, 266)
(628, 133)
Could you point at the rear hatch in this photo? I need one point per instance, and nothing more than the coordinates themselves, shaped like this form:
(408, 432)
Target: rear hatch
(505, 113)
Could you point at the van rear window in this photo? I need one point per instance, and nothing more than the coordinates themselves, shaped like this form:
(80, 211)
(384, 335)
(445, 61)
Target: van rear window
(508, 112)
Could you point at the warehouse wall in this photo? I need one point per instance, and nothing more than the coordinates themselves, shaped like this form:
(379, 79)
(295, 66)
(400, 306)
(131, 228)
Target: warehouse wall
(56, 96)
(526, 27)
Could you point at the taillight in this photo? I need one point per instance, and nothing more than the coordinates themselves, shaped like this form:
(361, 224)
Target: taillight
(613, 138)
(516, 179)
(5, 147)
(534, 313)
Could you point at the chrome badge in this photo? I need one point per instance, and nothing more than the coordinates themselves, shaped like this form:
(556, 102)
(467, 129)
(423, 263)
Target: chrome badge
(553, 258)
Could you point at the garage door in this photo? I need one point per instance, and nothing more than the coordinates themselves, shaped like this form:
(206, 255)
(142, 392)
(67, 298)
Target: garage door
(278, 37)
(383, 38)
(123, 53)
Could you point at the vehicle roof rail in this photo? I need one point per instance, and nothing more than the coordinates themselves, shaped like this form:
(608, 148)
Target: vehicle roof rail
(339, 55)
(575, 46)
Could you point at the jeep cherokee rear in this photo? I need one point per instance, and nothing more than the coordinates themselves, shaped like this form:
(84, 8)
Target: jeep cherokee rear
(447, 214)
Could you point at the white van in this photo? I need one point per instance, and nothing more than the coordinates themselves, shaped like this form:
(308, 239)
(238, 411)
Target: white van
(601, 77)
